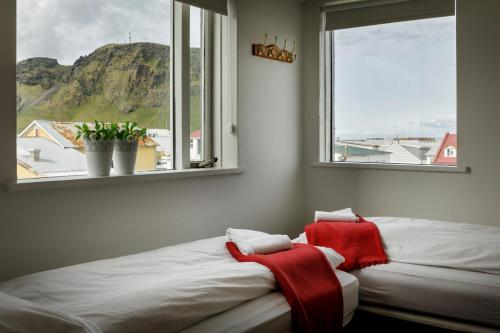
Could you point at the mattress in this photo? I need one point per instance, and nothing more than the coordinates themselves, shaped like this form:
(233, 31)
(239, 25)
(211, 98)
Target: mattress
(456, 294)
(271, 312)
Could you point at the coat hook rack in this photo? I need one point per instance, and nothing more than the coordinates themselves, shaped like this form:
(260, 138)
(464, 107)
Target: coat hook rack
(273, 52)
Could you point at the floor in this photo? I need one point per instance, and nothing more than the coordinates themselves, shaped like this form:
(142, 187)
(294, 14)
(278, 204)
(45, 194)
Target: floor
(363, 322)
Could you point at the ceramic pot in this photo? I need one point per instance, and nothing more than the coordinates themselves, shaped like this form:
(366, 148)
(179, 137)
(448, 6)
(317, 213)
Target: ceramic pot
(99, 154)
(124, 156)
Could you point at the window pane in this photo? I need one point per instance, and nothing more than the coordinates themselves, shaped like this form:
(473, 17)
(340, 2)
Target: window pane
(196, 87)
(394, 92)
(80, 61)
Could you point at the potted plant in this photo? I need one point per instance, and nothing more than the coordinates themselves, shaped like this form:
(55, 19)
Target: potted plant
(125, 149)
(99, 142)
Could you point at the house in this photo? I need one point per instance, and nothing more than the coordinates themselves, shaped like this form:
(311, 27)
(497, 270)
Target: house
(446, 154)
(356, 153)
(195, 145)
(405, 153)
(63, 134)
(40, 157)
(164, 148)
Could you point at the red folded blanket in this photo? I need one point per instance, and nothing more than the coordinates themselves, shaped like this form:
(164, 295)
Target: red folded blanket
(358, 242)
(309, 284)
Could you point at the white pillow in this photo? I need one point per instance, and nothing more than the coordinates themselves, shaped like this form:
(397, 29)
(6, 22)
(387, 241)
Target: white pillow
(301, 239)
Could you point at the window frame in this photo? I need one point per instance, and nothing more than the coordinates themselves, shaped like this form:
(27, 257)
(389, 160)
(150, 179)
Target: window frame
(219, 48)
(327, 119)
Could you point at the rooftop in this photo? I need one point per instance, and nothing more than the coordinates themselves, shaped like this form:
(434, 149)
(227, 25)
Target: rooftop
(63, 133)
(53, 158)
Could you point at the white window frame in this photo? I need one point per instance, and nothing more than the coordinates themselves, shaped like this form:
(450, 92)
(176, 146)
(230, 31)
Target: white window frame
(327, 119)
(219, 107)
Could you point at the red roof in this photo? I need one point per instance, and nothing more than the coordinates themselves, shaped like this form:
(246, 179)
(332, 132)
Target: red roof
(196, 134)
(440, 158)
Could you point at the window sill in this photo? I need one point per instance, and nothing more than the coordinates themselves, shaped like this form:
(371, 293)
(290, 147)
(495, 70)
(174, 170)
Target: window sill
(400, 167)
(77, 181)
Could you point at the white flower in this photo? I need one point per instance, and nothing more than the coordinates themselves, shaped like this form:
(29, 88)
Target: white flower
(93, 136)
(121, 129)
(130, 138)
(136, 131)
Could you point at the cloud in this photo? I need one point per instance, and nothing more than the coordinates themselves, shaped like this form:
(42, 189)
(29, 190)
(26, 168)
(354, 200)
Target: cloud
(448, 122)
(431, 30)
(67, 29)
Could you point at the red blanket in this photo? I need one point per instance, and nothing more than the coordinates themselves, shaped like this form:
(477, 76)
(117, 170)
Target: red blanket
(309, 284)
(359, 242)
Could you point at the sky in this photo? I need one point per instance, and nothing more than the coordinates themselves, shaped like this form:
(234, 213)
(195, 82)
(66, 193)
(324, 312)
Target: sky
(68, 29)
(396, 79)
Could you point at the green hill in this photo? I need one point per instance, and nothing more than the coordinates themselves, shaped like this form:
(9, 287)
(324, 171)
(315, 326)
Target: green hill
(116, 82)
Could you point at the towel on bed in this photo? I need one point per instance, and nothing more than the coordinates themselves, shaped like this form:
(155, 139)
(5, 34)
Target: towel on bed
(264, 244)
(342, 215)
(258, 242)
(317, 304)
(359, 243)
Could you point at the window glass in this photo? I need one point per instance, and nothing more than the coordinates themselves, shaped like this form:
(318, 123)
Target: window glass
(195, 83)
(86, 60)
(394, 92)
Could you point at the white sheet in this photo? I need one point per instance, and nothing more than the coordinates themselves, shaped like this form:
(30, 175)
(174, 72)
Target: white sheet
(158, 291)
(435, 243)
(452, 293)
(18, 315)
(271, 313)
(164, 290)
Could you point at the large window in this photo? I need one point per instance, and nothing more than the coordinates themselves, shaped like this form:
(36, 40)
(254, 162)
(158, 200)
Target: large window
(112, 61)
(392, 88)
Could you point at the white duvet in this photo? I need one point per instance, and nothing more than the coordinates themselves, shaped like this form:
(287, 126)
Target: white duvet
(158, 291)
(446, 244)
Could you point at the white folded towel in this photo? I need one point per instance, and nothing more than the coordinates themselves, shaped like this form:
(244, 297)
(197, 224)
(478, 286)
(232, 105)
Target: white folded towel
(343, 215)
(264, 244)
(235, 235)
(334, 258)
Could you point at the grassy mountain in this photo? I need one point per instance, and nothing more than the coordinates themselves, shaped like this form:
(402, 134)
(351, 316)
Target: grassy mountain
(116, 82)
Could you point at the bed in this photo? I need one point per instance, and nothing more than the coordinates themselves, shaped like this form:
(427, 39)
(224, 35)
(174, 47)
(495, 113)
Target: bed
(195, 287)
(441, 273)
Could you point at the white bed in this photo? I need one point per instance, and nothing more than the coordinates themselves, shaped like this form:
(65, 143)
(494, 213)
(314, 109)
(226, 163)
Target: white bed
(271, 313)
(440, 273)
(450, 293)
(167, 290)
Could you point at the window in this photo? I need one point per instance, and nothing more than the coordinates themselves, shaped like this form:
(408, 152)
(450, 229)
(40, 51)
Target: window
(391, 83)
(196, 81)
(450, 152)
(114, 61)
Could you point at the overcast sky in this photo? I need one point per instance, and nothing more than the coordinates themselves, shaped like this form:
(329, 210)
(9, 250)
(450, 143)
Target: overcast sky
(396, 79)
(67, 29)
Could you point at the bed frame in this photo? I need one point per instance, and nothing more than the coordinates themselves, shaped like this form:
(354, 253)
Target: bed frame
(426, 319)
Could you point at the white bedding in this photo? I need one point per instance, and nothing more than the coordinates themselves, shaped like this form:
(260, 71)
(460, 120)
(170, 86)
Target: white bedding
(271, 313)
(447, 292)
(435, 243)
(165, 290)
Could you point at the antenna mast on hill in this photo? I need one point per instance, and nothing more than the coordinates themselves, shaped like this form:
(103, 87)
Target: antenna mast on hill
(129, 38)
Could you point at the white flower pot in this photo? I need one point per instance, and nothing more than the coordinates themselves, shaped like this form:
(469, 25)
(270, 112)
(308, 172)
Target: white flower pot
(124, 156)
(99, 154)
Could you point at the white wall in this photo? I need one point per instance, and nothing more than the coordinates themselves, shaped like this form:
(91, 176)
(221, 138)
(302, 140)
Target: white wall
(472, 198)
(50, 228)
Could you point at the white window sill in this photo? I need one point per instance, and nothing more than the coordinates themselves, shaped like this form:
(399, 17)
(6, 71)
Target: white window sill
(77, 181)
(387, 166)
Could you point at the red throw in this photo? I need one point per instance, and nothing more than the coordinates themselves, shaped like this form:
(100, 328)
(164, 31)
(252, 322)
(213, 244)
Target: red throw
(309, 284)
(359, 242)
